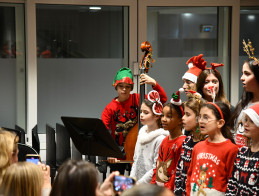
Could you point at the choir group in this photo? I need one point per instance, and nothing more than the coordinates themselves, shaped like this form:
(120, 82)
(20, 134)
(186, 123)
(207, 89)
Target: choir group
(203, 146)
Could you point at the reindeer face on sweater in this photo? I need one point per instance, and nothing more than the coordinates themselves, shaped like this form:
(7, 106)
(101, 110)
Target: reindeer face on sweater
(162, 174)
(162, 165)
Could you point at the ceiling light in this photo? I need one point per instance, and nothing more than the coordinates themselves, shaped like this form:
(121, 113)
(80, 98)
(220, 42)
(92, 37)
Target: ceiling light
(95, 8)
(251, 17)
(187, 14)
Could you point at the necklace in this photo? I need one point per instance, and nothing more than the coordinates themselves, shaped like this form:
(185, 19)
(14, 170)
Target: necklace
(253, 153)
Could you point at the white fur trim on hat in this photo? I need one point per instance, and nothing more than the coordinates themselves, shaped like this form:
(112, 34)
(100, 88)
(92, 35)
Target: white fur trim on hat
(175, 102)
(191, 77)
(181, 90)
(253, 115)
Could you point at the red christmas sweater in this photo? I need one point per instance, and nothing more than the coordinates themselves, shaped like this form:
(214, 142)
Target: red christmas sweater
(120, 116)
(210, 168)
(169, 154)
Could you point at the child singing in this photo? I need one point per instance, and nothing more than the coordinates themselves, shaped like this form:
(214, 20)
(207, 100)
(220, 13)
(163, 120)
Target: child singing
(149, 139)
(171, 146)
(245, 174)
(190, 123)
(212, 159)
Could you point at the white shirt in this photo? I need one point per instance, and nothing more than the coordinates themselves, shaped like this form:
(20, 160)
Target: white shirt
(146, 153)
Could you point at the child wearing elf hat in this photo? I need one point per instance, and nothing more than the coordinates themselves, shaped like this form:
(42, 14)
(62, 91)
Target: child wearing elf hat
(196, 65)
(120, 115)
(245, 174)
(171, 147)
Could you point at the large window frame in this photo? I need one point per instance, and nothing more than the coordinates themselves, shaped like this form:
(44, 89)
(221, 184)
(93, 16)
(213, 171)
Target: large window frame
(31, 59)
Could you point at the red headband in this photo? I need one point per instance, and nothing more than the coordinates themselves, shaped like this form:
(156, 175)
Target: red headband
(216, 106)
(181, 110)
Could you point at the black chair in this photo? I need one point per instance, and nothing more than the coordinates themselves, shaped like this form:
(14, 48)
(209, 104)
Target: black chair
(21, 130)
(63, 150)
(51, 150)
(35, 139)
(24, 150)
(76, 155)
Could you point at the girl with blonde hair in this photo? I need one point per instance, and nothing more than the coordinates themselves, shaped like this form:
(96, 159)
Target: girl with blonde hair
(9, 150)
(190, 124)
(23, 178)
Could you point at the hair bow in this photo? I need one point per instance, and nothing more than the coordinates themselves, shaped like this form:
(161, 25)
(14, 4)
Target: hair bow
(154, 97)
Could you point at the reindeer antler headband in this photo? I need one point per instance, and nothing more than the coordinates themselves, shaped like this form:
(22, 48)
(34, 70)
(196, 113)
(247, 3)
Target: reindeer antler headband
(249, 50)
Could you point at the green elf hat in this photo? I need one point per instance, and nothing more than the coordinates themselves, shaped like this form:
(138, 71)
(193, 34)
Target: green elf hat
(123, 75)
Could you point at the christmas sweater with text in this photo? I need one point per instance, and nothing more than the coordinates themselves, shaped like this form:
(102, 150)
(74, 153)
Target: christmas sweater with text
(245, 175)
(183, 166)
(210, 168)
(122, 116)
(169, 153)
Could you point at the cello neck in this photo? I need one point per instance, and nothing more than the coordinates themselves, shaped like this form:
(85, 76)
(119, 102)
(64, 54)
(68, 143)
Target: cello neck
(141, 98)
(144, 66)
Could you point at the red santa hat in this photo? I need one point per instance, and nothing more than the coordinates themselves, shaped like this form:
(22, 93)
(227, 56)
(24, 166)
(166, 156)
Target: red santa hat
(196, 65)
(253, 113)
(176, 100)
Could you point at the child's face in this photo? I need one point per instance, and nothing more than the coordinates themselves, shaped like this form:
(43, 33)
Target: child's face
(189, 119)
(207, 121)
(147, 117)
(213, 81)
(123, 90)
(248, 79)
(170, 119)
(251, 130)
(188, 85)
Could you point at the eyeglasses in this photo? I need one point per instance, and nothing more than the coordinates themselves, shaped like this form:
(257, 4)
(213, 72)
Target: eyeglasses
(247, 120)
(203, 119)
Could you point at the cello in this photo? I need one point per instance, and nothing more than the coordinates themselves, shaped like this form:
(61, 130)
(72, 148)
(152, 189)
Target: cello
(131, 138)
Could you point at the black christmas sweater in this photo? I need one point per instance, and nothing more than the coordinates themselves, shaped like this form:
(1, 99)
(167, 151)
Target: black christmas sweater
(245, 175)
(183, 166)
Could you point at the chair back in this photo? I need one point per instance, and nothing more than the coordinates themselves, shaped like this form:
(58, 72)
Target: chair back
(63, 149)
(24, 150)
(76, 155)
(35, 139)
(15, 131)
(50, 146)
(51, 151)
(21, 130)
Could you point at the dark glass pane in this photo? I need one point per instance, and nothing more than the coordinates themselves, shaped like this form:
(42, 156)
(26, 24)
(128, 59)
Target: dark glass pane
(79, 31)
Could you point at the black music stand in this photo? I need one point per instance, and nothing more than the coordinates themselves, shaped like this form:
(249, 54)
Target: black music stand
(91, 137)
